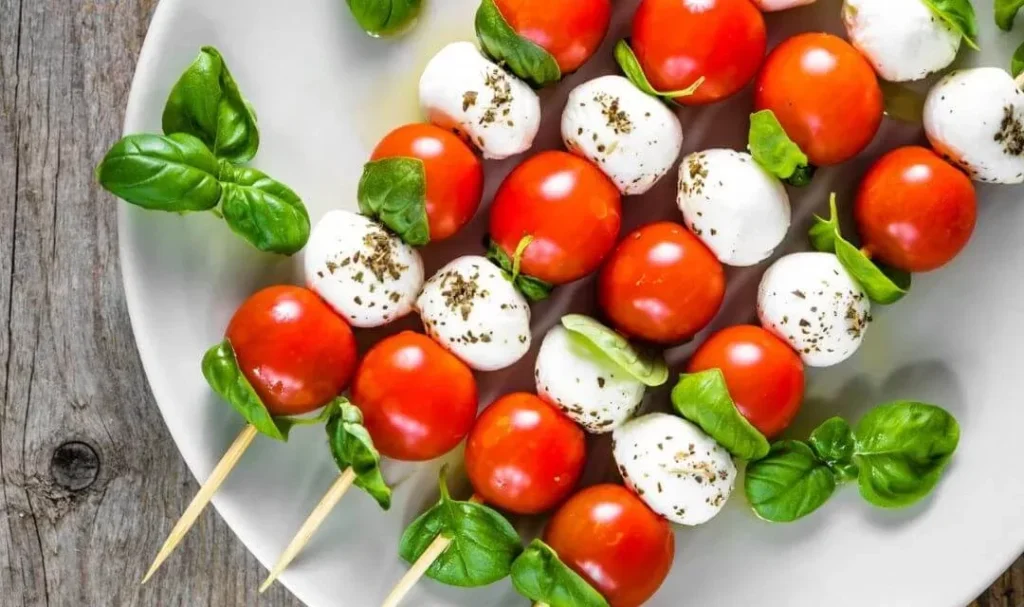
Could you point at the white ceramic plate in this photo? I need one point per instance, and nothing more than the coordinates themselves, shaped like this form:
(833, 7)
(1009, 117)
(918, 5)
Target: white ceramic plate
(325, 93)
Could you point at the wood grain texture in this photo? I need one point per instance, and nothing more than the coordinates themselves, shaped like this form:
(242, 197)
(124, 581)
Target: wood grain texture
(69, 371)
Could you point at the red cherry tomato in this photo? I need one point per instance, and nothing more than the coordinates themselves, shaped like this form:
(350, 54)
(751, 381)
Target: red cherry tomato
(824, 93)
(455, 176)
(661, 284)
(418, 400)
(914, 210)
(610, 537)
(570, 31)
(572, 210)
(294, 350)
(678, 41)
(764, 375)
(523, 455)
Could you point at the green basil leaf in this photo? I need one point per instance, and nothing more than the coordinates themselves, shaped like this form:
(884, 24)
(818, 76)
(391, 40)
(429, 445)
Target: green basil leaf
(539, 575)
(959, 14)
(703, 398)
(174, 173)
(824, 232)
(483, 544)
(532, 288)
(385, 17)
(525, 58)
(1006, 12)
(649, 369)
(902, 103)
(789, 483)
(265, 212)
(206, 103)
(221, 370)
(352, 447)
(1017, 62)
(901, 450)
(772, 148)
(832, 441)
(631, 67)
(394, 191)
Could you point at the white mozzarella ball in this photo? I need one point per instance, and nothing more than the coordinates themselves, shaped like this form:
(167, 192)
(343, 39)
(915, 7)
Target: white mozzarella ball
(903, 39)
(975, 118)
(584, 383)
(464, 91)
(368, 275)
(812, 302)
(770, 6)
(633, 137)
(680, 472)
(471, 309)
(737, 208)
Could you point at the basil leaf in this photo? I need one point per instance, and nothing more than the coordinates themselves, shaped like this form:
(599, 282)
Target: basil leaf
(772, 148)
(825, 232)
(525, 58)
(539, 575)
(901, 102)
(789, 483)
(394, 191)
(901, 450)
(265, 212)
(959, 14)
(352, 447)
(1017, 62)
(532, 288)
(703, 398)
(1006, 12)
(483, 544)
(833, 443)
(649, 370)
(385, 17)
(631, 67)
(206, 103)
(173, 173)
(221, 370)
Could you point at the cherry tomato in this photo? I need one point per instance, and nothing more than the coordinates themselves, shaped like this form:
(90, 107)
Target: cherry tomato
(418, 400)
(764, 375)
(455, 176)
(825, 95)
(294, 350)
(523, 455)
(570, 31)
(914, 210)
(569, 207)
(662, 284)
(678, 41)
(613, 540)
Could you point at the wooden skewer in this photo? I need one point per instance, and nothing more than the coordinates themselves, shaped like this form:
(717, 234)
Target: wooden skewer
(188, 518)
(313, 522)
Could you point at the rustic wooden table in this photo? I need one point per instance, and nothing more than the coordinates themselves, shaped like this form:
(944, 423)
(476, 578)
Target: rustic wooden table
(91, 481)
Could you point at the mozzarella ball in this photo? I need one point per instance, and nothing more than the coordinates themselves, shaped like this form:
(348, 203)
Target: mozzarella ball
(368, 275)
(584, 383)
(471, 309)
(680, 472)
(812, 302)
(633, 137)
(464, 91)
(770, 6)
(975, 118)
(737, 208)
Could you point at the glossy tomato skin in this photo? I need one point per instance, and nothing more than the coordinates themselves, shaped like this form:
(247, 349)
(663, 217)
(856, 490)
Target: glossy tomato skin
(455, 175)
(764, 375)
(418, 400)
(572, 210)
(294, 350)
(523, 455)
(570, 31)
(824, 93)
(609, 536)
(678, 41)
(914, 210)
(662, 284)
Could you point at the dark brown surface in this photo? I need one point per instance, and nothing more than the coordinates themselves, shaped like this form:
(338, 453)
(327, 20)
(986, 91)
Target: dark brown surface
(91, 481)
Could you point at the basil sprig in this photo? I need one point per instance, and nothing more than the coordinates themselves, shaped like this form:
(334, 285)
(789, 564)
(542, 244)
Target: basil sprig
(483, 544)
(647, 368)
(539, 575)
(959, 14)
(394, 191)
(532, 288)
(524, 57)
(634, 72)
(703, 398)
(789, 483)
(772, 148)
(352, 447)
(385, 17)
(265, 212)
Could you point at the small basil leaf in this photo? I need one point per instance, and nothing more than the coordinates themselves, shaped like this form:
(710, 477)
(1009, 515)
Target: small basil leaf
(824, 232)
(901, 450)
(1006, 12)
(532, 288)
(539, 575)
(164, 173)
(631, 67)
(394, 191)
(1017, 62)
(352, 447)
(902, 103)
(649, 370)
(832, 441)
(703, 398)
(221, 370)
(789, 483)
(772, 148)
(483, 544)
(525, 58)
(385, 17)
(265, 212)
(959, 14)
(206, 103)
